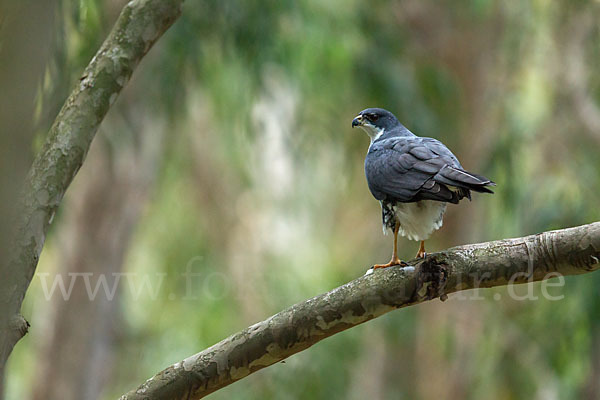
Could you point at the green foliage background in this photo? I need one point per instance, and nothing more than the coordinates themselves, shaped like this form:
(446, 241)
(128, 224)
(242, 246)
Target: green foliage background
(259, 186)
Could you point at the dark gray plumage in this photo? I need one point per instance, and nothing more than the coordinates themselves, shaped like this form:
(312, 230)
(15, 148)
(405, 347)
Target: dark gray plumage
(411, 168)
(403, 168)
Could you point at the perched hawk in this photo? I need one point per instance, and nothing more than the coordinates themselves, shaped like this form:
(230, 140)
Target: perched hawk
(412, 177)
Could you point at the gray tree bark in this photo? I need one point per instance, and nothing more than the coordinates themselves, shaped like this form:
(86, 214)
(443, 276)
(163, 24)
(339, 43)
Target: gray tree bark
(138, 27)
(504, 262)
(26, 32)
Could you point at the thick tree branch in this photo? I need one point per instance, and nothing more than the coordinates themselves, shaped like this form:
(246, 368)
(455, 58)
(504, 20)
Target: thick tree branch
(533, 258)
(138, 27)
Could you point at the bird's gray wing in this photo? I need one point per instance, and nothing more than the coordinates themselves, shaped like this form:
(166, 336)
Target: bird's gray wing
(413, 169)
(456, 170)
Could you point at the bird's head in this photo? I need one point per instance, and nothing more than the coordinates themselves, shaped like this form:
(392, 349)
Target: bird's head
(375, 121)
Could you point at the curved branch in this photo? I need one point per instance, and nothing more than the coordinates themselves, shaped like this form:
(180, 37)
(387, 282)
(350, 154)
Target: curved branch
(533, 258)
(138, 27)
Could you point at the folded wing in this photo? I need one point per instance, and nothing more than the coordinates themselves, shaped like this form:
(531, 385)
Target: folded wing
(413, 169)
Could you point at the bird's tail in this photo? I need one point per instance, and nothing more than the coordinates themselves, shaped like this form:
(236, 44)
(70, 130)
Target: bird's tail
(464, 181)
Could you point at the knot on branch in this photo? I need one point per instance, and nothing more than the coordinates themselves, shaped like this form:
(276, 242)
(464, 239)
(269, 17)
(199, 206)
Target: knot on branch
(431, 279)
(18, 327)
(10, 332)
(586, 259)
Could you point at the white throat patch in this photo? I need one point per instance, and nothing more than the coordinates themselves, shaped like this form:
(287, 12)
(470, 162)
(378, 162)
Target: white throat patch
(373, 131)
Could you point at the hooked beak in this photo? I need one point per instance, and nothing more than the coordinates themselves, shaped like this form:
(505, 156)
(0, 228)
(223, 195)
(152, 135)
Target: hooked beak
(358, 121)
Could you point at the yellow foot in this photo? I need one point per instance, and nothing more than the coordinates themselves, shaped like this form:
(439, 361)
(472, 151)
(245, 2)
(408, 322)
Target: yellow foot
(392, 263)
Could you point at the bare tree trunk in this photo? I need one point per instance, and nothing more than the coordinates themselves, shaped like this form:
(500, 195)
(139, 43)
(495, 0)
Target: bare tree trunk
(138, 27)
(504, 262)
(25, 28)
